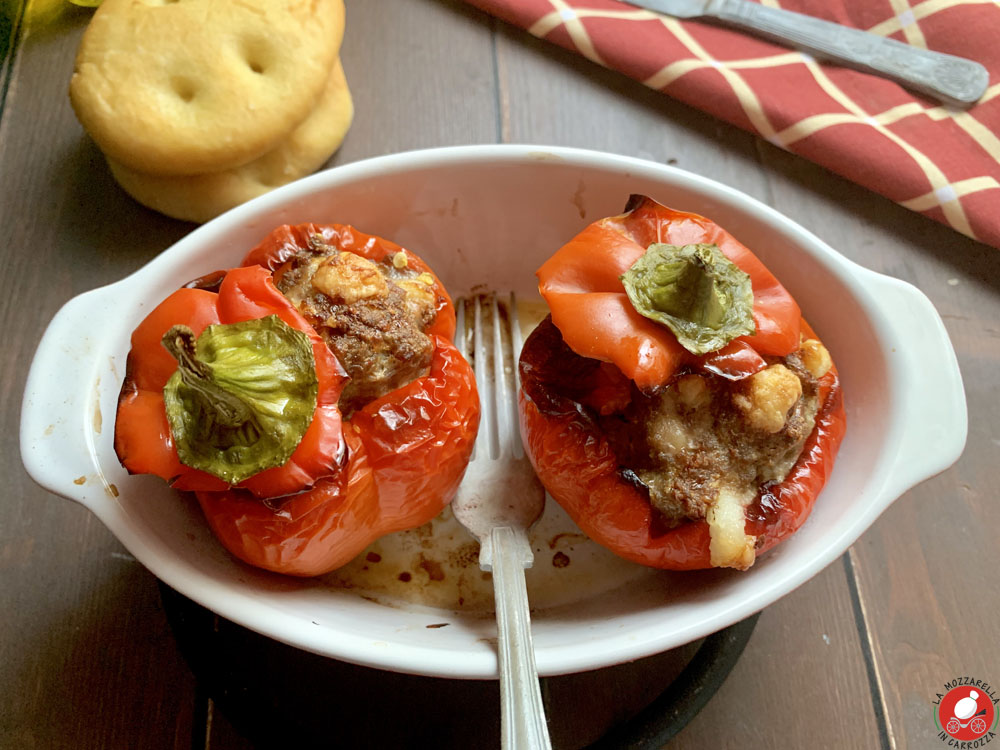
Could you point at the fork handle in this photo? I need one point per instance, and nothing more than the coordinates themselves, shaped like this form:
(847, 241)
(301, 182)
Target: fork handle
(522, 721)
(951, 79)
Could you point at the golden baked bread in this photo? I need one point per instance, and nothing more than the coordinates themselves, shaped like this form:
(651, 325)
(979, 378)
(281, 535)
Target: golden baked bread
(201, 197)
(182, 87)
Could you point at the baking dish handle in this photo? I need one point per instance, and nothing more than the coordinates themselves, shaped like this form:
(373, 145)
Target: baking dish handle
(61, 412)
(932, 422)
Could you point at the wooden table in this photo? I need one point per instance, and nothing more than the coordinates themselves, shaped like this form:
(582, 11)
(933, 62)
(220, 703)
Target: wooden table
(852, 659)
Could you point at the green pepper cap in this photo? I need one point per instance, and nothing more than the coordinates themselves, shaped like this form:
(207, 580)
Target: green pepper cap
(695, 291)
(242, 397)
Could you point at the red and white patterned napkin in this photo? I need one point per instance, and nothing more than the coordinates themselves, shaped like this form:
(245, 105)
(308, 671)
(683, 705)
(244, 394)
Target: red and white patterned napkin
(940, 161)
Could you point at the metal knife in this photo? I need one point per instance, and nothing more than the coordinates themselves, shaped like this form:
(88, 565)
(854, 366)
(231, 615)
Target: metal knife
(947, 78)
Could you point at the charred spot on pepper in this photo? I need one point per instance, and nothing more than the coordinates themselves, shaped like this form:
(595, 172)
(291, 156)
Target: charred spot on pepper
(210, 282)
(634, 201)
(766, 508)
(555, 377)
(630, 477)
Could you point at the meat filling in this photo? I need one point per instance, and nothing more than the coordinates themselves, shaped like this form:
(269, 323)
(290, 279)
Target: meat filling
(703, 447)
(371, 314)
(704, 432)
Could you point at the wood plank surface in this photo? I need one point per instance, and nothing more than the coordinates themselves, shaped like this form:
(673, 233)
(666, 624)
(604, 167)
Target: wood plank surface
(404, 97)
(926, 570)
(805, 651)
(86, 657)
(852, 659)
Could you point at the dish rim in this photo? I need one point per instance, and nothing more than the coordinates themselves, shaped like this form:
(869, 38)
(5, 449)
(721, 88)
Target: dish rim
(220, 597)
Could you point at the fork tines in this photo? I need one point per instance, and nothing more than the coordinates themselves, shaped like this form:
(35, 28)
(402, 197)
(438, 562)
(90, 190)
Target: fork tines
(492, 344)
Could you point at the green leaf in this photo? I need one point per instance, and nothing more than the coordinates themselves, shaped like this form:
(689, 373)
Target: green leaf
(242, 397)
(695, 291)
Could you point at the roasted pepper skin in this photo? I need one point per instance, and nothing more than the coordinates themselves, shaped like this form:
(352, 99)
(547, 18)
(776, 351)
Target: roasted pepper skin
(593, 328)
(397, 463)
(406, 454)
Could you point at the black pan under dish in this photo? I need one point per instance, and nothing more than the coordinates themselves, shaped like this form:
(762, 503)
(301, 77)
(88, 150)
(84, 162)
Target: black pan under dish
(278, 696)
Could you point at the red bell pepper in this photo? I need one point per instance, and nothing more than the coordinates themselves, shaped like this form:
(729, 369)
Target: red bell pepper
(592, 311)
(394, 465)
(407, 452)
(593, 324)
(143, 439)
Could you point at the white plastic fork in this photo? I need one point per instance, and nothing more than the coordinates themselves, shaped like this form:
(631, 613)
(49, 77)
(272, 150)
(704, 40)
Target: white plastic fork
(498, 501)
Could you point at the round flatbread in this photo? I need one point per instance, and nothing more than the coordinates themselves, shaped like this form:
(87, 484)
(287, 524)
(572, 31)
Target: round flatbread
(178, 87)
(199, 198)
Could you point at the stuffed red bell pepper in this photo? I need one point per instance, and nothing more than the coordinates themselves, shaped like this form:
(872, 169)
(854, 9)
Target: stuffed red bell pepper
(674, 402)
(311, 399)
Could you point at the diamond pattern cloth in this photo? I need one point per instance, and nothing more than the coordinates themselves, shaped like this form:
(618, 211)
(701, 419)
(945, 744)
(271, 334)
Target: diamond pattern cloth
(930, 158)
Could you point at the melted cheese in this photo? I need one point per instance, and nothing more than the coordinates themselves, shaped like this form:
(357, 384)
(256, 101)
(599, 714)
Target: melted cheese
(730, 546)
(768, 397)
(347, 278)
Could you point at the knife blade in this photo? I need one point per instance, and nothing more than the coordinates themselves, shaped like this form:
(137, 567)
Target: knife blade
(953, 80)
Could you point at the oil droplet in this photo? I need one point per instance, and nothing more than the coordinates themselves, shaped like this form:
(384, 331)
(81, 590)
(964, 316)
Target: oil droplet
(80, 480)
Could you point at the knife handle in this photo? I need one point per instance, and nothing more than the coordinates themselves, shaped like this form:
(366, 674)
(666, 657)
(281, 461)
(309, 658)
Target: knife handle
(953, 80)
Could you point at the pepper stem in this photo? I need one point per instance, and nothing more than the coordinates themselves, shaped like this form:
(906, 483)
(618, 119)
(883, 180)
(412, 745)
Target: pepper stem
(242, 396)
(227, 409)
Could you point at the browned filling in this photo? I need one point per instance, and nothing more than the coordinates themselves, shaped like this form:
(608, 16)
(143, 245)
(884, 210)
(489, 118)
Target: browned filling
(702, 447)
(371, 314)
(703, 434)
